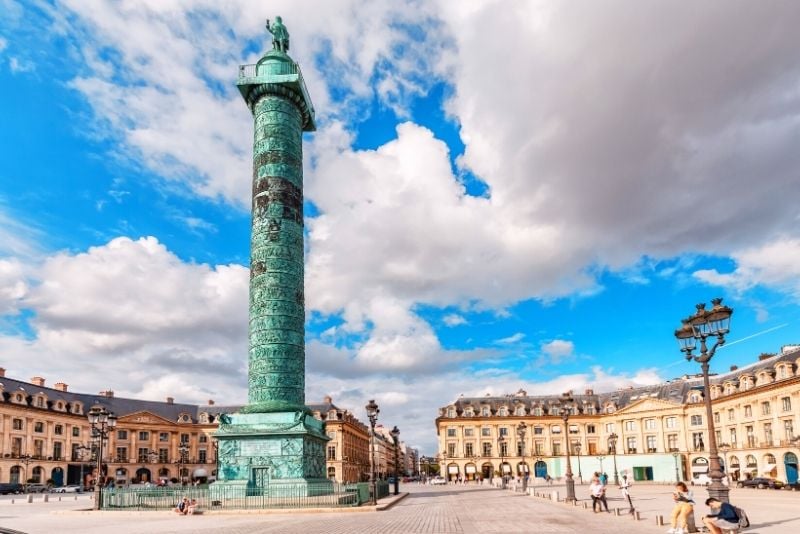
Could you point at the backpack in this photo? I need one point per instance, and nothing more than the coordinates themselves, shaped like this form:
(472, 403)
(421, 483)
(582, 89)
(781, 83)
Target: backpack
(744, 522)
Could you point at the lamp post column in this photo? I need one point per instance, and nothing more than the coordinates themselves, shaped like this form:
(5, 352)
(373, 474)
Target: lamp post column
(566, 406)
(698, 327)
(102, 422)
(521, 431)
(578, 452)
(372, 414)
(500, 445)
(675, 455)
(612, 445)
(395, 435)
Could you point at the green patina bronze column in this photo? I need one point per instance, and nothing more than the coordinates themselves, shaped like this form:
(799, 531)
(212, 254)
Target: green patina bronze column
(273, 444)
(282, 111)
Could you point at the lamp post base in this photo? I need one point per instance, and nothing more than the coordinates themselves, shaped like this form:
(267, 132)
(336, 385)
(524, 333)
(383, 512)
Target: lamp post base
(570, 490)
(719, 491)
(98, 494)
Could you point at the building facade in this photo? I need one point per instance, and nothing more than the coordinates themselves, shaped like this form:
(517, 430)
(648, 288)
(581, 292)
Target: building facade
(45, 436)
(661, 431)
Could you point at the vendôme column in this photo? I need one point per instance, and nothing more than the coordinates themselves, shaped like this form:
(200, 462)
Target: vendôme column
(274, 443)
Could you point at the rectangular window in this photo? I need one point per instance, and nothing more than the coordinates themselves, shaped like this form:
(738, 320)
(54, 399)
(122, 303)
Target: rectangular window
(538, 448)
(631, 443)
(786, 404)
(76, 432)
(202, 456)
(697, 441)
(538, 430)
(451, 450)
(520, 448)
(331, 452)
(163, 436)
(556, 448)
(751, 438)
(144, 436)
(716, 417)
(573, 429)
(16, 424)
(503, 448)
(469, 432)
(486, 431)
(696, 420)
(788, 429)
(748, 411)
(451, 432)
(768, 433)
(143, 454)
(671, 422)
(38, 448)
(122, 454)
(469, 450)
(650, 424)
(731, 415)
(718, 434)
(503, 431)
(765, 408)
(38, 427)
(651, 444)
(592, 448)
(672, 442)
(487, 449)
(163, 455)
(630, 426)
(590, 429)
(609, 428)
(58, 430)
(57, 450)
(733, 436)
(122, 435)
(184, 439)
(16, 446)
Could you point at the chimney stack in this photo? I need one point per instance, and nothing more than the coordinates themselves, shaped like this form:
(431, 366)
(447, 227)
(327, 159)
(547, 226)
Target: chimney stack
(734, 367)
(327, 399)
(764, 356)
(589, 392)
(2, 372)
(170, 400)
(108, 393)
(37, 381)
(211, 402)
(60, 386)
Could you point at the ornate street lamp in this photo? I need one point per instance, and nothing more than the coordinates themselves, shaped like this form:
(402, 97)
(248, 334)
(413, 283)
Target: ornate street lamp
(25, 459)
(676, 455)
(395, 435)
(501, 441)
(600, 459)
(372, 415)
(183, 451)
(612, 446)
(522, 428)
(578, 452)
(699, 327)
(566, 406)
(103, 423)
(724, 448)
(82, 451)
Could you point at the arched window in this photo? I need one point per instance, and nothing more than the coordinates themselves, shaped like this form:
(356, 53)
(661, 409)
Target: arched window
(769, 459)
(485, 411)
(36, 475)
(332, 473)
(750, 462)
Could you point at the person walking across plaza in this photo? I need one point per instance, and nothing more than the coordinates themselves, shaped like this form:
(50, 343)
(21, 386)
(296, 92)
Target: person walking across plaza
(723, 516)
(684, 507)
(626, 492)
(598, 492)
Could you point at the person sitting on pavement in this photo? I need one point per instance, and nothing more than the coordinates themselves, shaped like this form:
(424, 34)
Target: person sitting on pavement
(192, 508)
(684, 507)
(182, 507)
(723, 516)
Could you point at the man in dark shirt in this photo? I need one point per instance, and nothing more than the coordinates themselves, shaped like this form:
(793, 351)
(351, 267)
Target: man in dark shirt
(723, 516)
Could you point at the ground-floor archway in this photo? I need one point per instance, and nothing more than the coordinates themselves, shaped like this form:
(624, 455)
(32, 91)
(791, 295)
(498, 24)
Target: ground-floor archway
(470, 471)
(15, 475)
(505, 469)
(790, 463)
(36, 475)
(57, 476)
(452, 471)
(487, 471)
(522, 469)
(121, 476)
(540, 469)
(143, 475)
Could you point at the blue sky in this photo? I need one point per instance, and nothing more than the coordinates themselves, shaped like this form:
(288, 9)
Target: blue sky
(527, 195)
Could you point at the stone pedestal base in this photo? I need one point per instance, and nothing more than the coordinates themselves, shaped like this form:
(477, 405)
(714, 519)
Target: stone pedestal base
(278, 454)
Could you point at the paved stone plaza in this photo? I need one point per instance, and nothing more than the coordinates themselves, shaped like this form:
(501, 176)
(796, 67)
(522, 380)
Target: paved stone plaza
(439, 509)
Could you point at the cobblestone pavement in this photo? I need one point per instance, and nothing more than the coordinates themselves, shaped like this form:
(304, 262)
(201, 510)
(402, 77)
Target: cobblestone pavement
(427, 510)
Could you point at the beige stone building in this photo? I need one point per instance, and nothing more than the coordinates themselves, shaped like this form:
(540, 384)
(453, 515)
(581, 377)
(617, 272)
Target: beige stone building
(347, 456)
(661, 430)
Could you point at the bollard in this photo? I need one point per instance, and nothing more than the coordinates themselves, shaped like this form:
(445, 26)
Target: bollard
(45, 497)
(554, 496)
(636, 516)
(30, 497)
(659, 520)
(585, 505)
(616, 512)
(12, 501)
